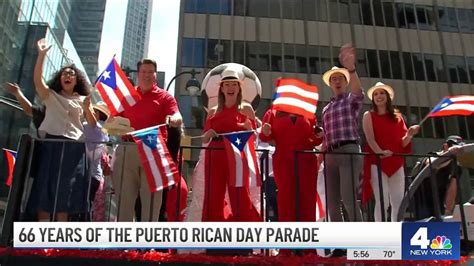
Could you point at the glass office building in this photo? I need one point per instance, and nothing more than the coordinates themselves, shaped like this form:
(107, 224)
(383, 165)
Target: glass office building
(421, 48)
(22, 24)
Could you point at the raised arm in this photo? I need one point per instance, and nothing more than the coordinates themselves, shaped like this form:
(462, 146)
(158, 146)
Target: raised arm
(41, 87)
(347, 57)
(15, 90)
(88, 113)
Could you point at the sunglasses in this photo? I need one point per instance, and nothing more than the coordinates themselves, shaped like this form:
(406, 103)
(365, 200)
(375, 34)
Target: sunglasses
(71, 73)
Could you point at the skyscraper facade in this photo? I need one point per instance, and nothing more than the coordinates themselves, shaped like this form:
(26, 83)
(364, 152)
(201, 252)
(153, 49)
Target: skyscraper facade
(422, 48)
(21, 25)
(137, 32)
(85, 27)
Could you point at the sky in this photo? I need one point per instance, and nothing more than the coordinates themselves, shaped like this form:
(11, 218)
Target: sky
(163, 35)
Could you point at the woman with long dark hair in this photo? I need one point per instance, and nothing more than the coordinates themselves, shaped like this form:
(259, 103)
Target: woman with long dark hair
(386, 134)
(60, 187)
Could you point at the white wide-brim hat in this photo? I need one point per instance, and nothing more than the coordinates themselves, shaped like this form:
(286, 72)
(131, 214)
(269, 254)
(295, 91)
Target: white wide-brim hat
(380, 85)
(334, 70)
(230, 75)
(102, 107)
(117, 126)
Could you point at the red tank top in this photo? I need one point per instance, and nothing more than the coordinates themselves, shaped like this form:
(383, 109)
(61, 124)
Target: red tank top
(388, 134)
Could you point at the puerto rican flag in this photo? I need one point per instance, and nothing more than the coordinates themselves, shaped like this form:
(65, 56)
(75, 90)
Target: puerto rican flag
(454, 105)
(11, 158)
(242, 159)
(160, 169)
(296, 97)
(115, 88)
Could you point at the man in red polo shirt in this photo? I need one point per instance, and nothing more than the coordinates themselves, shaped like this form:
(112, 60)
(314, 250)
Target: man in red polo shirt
(156, 107)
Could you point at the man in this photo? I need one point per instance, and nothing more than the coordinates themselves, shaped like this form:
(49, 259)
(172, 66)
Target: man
(446, 180)
(156, 107)
(340, 121)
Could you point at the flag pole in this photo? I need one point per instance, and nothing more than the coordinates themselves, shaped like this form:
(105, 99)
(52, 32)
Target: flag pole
(424, 119)
(145, 129)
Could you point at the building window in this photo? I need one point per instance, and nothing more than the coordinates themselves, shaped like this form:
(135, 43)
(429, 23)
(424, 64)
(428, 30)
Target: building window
(239, 52)
(366, 12)
(213, 48)
(313, 52)
(187, 52)
(212, 6)
(462, 126)
(439, 127)
(418, 65)
(372, 62)
(378, 13)
(388, 14)
(396, 65)
(287, 8)
(321, 10)
(447, 19)
(434, 68)
(385, 63)
(427, 127)
(424, 15)
(300, 57)
(325, 56)
(355, 12)
(225, 7)
(289, 55)
(251, 55)
(239, 7)
(333, 11)
(275, 49)
(457, 69)
(258, 8)
(309, 10)
(264, 56)
(408, 66)
(193, 52)
(361, 66)
(470, 61)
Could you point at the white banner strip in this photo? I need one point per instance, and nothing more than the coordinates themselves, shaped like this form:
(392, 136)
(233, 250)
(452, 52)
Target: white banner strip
(189, 235)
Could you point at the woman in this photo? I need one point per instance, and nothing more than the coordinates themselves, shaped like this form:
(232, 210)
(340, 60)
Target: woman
(61, 187)
(230, 115)
(386, 134)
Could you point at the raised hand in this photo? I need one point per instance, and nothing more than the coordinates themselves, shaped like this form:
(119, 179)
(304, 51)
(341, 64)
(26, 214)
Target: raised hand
(43, 47)
(347, 56)
(87, 102)
(266, 129)
(12, 88)
(413, 130)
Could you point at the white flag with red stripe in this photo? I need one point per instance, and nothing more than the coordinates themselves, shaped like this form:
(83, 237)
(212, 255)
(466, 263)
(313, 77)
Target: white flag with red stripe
(115, 88)
(296, 97)
(156, 160)
(454, 105)
(242, 159)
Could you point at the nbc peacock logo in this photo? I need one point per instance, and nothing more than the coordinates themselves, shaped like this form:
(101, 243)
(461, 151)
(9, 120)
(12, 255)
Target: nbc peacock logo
(441, 242)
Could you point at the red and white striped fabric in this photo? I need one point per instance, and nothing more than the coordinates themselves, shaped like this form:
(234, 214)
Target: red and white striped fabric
(156, 160)
(242, 159)
(115, 88)
(296, 97)
(454, 105)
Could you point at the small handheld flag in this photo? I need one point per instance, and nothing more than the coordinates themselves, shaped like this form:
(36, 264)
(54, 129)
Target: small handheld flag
(156, 160)
(11, 158)
(453, 105)
(115, 88)
(242, 159)
(296, 97)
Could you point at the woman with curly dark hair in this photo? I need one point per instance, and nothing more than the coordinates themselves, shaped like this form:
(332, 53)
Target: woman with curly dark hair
(60, 187)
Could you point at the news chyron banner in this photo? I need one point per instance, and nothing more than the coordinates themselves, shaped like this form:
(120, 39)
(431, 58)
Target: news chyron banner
(363, 241)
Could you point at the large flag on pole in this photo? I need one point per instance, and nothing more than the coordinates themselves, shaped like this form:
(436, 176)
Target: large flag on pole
(156, 160)
(454, 105)
(115, 88)
(11, 158)
(296, 97)
(242, 159)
